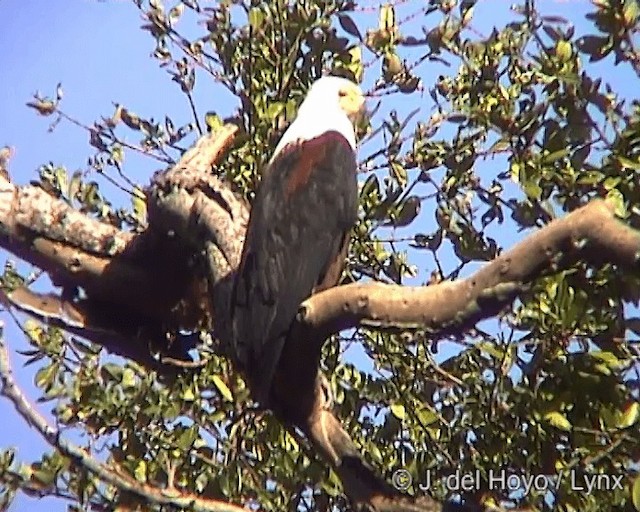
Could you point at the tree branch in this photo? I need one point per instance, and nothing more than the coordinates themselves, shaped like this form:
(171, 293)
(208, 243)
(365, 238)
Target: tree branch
(139, 286)
(77, 250)
(94, 322)
(591, 233)
(360, 482)
(109, 474)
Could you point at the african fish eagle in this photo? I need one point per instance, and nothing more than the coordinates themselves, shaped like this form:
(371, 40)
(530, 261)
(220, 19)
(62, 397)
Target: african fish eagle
(298, 232)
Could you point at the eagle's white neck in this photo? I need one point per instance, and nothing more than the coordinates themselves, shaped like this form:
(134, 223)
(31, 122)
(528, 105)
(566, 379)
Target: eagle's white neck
(315, 118)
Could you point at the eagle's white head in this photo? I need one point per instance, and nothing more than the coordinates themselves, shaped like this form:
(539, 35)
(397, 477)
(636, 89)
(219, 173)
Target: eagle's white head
(332, 104)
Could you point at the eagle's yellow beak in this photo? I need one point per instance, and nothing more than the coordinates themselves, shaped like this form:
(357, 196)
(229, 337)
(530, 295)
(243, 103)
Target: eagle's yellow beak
(352, 102)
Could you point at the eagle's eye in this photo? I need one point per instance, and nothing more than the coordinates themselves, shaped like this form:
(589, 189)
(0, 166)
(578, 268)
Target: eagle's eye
(342, 93)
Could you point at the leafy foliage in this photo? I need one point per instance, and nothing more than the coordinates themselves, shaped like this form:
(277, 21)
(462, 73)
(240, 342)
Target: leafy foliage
(517, 129)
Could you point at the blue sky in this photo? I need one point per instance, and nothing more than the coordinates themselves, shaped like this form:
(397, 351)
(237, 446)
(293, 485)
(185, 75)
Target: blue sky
(99, 54)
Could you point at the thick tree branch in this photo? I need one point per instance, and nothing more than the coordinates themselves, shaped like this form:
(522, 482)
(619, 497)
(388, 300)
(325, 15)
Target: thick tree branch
(591, 233)
(76, 250)
(110, 474)
(204, 212)
(95, 322)
(302, 398)
(139, 286)
(358, 478)
(189, 196)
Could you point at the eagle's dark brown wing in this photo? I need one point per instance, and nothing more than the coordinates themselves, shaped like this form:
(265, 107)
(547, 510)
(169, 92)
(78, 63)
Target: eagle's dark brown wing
(296, 243)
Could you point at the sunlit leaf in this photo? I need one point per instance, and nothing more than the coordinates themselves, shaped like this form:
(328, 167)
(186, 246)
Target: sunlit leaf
(223, 388)
(398, 411)
(558, 420)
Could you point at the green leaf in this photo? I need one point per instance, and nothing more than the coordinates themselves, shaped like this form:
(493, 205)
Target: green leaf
(391, 65)
(355, 63)
(140, 473)
(201, 482)
(188, 395)
(387, 19)
(274, 109)
(491, 349)
(532, 189)
(44, 477)
(398, 411)
(608, 358)
(556, 155)
(558, 420)
(427, 416)
(635, 493)
(629, 416)
(611, 182)
(630, 12)
(375, 452)
(139, 203)
(608, 418)
(33, 330)
(128, 378)
(45, 375)
(223, 388)
(399, 173)
(75, 184)
(629, 164)
(563, 50)
(370, 186)
(213, 121)
(408, 212)
(111, 371)
(499, 146)
(256, 18)
(187, 438)
(615, 197)
(61, 178)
